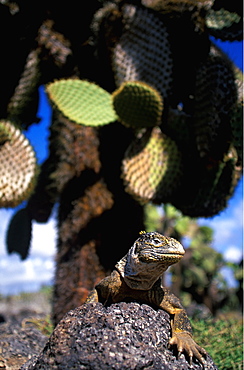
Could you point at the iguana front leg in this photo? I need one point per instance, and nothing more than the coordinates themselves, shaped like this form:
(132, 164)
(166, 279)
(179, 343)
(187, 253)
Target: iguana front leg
(106, 289)
(181, 328)
(92, 297)
(182, 337)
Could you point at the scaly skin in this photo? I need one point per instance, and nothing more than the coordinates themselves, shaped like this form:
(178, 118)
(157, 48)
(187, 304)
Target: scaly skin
(137, 276)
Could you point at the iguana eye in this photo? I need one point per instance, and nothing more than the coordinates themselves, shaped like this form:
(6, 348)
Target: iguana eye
(157, 241)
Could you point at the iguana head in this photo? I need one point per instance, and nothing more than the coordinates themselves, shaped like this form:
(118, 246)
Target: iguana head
(151, 254)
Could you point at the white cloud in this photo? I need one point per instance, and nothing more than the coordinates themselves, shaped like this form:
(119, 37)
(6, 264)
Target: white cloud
(228, 227)
(38, 269)
(233, 254)
(44, 238)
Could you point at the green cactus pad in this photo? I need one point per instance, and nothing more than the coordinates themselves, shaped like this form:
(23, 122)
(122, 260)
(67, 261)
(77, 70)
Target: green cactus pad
(23, 103)
(138, 104)
(224, 24)
(143, 51)
(215, 95)
(152, 168)
(19, 233)
(82, 102)
(221, 18)
(4, 134)
(18, 168)
(210, 188)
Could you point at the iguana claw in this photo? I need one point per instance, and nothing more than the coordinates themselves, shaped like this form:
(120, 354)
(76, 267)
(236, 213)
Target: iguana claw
(184, 342)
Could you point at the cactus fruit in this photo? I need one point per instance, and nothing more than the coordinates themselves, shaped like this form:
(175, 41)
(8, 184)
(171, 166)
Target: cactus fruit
(151, 168)
(138, 104)
(18, 167)
(143, 52)
(82, 102)
(19, 233)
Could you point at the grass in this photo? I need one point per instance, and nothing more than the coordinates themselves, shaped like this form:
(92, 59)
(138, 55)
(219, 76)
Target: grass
(44, 325)
(223, 339)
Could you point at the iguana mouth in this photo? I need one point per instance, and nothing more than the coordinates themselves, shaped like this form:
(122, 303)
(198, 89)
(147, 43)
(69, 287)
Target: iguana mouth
(147, 256)
(172, 254)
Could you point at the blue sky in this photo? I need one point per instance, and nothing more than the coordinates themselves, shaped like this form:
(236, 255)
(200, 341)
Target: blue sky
(38, 268)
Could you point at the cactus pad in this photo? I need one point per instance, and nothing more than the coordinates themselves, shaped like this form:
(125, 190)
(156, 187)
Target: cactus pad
(143, 52)
(221, 18)
(18, 167)
(82, 102)
(23, 103)
(210, 188)
(215, 95)
(151, 168)
(237, 129)
(224, 24)
(19, 233)
(138, 104)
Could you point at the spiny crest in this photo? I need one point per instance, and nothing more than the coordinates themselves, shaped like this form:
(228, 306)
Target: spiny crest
(18, 168)
(151, 168)
(82, 102)
(137, 104)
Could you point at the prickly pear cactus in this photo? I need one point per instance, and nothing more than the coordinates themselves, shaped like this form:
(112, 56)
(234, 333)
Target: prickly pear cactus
(183, 107)
(181, 138)
(138, 104)
(143, 52)
(18, 167)
(211, 188)
(201, 114)
(25, 97)
(82, 102)
(190, 130)
(224, 24)
(152, 167)
(19, 233)
(211, 117)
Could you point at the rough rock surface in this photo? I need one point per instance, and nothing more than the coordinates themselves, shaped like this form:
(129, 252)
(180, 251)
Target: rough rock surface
(18, 343)
(121, 336)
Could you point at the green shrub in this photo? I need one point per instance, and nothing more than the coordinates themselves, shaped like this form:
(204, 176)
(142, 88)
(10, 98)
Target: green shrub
(223, 340)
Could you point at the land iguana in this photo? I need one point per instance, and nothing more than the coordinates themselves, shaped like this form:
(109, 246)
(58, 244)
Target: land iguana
(137, 276)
